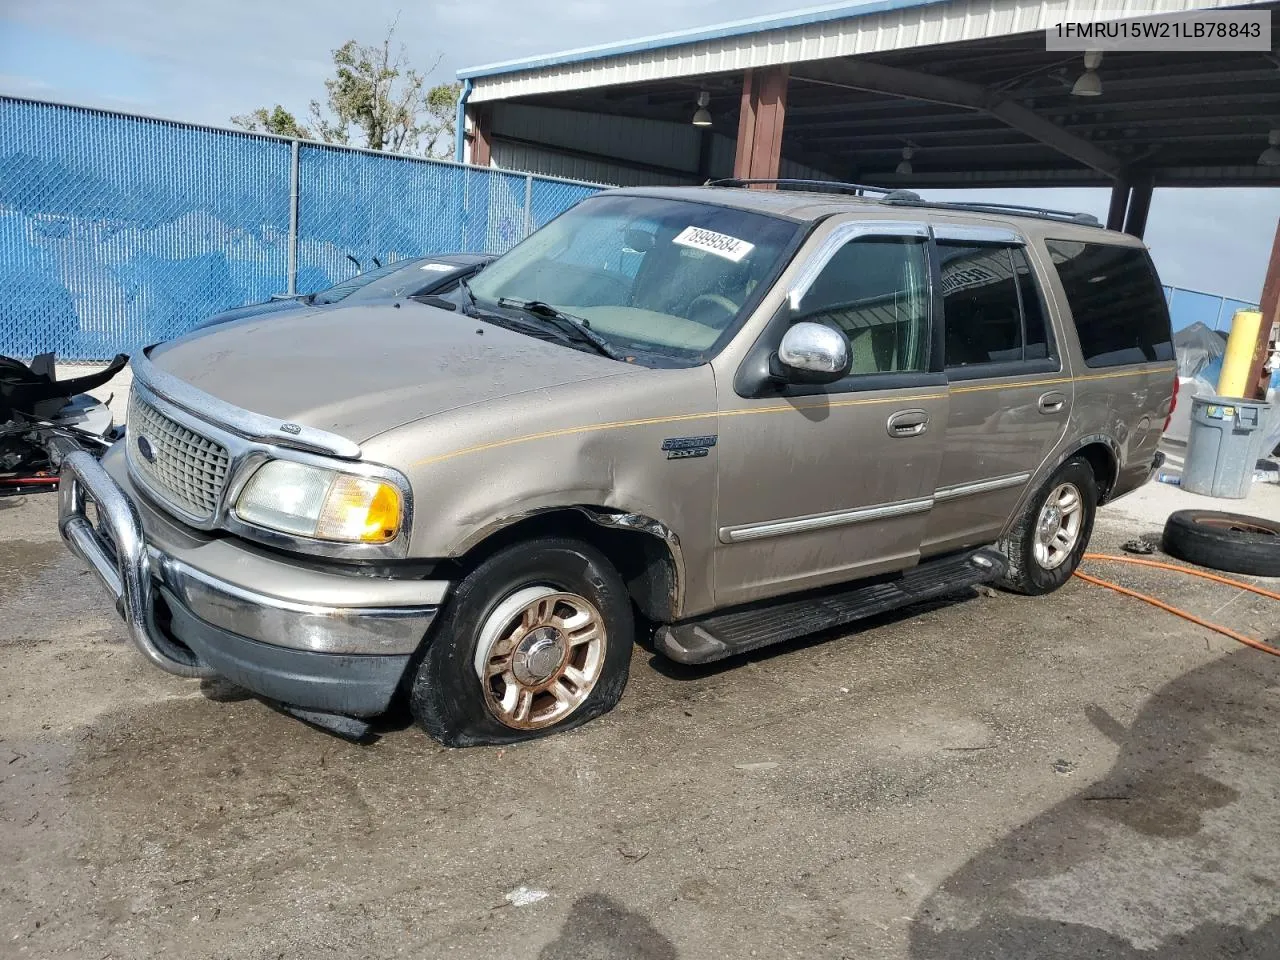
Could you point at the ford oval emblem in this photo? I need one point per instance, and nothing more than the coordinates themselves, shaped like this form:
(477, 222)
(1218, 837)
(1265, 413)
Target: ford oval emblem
(145, 448)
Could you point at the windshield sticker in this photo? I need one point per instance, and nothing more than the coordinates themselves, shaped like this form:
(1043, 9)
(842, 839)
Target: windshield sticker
(721, 244)
(436, 267)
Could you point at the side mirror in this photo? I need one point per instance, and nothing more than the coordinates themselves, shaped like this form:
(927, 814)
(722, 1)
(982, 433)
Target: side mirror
(811, 353)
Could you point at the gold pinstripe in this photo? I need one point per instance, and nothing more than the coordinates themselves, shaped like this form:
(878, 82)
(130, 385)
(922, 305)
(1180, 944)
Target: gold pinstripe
(776, 408)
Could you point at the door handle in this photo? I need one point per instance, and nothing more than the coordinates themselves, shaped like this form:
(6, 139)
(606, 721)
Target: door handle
(908, 423)
(1051, 402)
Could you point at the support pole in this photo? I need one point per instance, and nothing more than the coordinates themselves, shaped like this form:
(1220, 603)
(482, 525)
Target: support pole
(1135, 222)
(481, 145)
(705, 139)
(760, 123)
(528, 205)
(1270, 307)
(1119, 204)
(293, 220)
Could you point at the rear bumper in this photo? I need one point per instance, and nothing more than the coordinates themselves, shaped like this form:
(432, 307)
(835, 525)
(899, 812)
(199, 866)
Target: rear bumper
(267, 630)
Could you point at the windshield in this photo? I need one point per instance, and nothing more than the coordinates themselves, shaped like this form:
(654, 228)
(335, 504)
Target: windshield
(664, 277)
(390, 280)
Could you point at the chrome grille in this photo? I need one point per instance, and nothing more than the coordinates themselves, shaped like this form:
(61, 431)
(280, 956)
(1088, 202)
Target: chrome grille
(184, 468)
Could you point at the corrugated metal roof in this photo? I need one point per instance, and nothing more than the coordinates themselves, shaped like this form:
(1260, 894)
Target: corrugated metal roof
(819, 33)
(719, 31)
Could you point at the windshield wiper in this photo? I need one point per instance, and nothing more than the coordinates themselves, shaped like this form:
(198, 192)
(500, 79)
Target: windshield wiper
(470, 308)
(574, 327)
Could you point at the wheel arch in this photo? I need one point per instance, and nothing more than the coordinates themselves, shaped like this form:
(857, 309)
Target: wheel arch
(1100, 451)
(645, 551)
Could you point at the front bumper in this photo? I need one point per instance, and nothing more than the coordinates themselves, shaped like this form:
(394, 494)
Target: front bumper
(321, 641)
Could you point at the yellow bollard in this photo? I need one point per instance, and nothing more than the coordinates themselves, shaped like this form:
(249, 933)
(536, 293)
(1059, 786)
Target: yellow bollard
(1234, 380)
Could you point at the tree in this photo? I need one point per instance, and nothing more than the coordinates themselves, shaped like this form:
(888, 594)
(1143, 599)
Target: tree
(375, 98)
(277, 120)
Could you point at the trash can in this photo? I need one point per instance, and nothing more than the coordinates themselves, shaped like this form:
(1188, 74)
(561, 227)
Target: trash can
(1223, 445)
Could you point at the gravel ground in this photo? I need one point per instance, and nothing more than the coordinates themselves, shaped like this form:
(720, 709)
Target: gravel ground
(995, 777)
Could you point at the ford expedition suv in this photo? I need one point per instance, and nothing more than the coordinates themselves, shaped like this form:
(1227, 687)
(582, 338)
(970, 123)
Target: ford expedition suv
(729, 416)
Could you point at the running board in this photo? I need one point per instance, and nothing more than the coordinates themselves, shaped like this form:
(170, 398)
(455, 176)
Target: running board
(738, 631)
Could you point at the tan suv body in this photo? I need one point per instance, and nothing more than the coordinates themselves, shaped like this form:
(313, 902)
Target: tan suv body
(806, 399)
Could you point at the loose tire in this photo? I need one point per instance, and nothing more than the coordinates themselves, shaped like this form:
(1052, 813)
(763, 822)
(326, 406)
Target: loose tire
(1224, 541)
(535, 640)
(1046, 542)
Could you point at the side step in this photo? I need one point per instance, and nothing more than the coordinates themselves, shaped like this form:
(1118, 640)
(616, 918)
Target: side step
(738, 631)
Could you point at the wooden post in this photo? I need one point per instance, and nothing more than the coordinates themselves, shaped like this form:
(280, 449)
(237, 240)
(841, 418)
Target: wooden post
(481, 147)
(1270, 307)
(1119, 204)
(760, 122)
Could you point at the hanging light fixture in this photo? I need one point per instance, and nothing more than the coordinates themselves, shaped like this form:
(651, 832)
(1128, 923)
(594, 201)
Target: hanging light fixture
(904, 165)
(1089, 84)
(702, 116)
(1270, 157)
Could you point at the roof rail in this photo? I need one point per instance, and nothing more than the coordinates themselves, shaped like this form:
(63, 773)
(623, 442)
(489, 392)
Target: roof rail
(833, 186)
(911, 198)
(1013, 209)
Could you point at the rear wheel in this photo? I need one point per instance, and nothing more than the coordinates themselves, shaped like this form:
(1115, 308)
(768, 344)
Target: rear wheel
(536, 639)
(1046, 542)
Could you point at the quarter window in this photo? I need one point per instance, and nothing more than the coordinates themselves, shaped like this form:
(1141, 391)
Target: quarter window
(1116, 302)
(991, 307)
(876, 290)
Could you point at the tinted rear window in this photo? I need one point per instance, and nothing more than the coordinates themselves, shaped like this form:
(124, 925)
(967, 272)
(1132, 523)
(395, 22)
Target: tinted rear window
(1116, 302)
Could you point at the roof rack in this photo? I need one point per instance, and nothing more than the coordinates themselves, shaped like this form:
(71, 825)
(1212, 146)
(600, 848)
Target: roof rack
(1015, 209)
(837, 186)
(911, 198)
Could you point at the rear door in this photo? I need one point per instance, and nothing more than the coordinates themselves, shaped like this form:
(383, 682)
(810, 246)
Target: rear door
(821, 484)
(1010, 395)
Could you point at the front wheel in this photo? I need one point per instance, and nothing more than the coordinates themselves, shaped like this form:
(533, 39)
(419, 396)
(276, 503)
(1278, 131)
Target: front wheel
(1046, 542)
(536, 639)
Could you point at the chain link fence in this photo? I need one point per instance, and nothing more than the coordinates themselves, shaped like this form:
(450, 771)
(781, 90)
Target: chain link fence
(117, 231)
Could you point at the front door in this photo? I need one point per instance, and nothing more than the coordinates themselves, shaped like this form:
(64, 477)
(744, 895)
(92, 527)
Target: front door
(822, 484)
(1010, 396)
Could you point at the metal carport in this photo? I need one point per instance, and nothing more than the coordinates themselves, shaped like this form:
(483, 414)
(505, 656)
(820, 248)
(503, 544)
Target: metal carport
(960, 93)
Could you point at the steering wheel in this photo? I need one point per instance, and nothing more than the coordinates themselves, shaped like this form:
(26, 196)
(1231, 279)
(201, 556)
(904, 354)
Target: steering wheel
(700, 304)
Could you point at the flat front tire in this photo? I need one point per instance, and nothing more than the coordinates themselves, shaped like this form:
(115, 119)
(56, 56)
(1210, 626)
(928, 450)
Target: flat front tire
(1051, 534)
(535, 640)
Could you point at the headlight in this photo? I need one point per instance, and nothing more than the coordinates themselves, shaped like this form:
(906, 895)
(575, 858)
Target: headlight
(320, 503)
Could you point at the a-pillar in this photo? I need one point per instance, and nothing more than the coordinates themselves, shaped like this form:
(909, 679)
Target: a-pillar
(764, 107)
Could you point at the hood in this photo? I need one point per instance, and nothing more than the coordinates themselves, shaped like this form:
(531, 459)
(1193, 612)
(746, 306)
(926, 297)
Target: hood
(359, 371)
(251, 310)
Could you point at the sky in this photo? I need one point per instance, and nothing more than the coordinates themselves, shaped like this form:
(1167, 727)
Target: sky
(204, 62)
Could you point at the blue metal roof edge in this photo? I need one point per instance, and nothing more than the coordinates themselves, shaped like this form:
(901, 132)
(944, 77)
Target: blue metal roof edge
(736, 28)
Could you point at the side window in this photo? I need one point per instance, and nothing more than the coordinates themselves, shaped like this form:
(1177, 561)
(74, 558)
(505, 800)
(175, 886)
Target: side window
(876, 290)
(1039, 345)
(1116, 302)
(980, 304)
(992, 308)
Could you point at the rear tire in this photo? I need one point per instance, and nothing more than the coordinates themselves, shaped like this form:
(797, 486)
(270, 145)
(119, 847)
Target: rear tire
(1046, 542)
(548, 625)
(1224, 541)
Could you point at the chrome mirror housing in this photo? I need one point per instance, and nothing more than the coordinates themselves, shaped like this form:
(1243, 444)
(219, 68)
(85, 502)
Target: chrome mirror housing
(812, 353)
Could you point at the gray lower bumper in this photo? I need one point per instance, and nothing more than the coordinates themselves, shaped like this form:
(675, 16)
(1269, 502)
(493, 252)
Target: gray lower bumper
(346, 659)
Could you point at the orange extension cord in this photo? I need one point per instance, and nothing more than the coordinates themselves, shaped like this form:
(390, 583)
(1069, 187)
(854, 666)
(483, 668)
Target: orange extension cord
(1217, 628)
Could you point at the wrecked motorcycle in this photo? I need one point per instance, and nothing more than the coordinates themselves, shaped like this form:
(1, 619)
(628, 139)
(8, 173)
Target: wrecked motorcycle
(42, 418)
